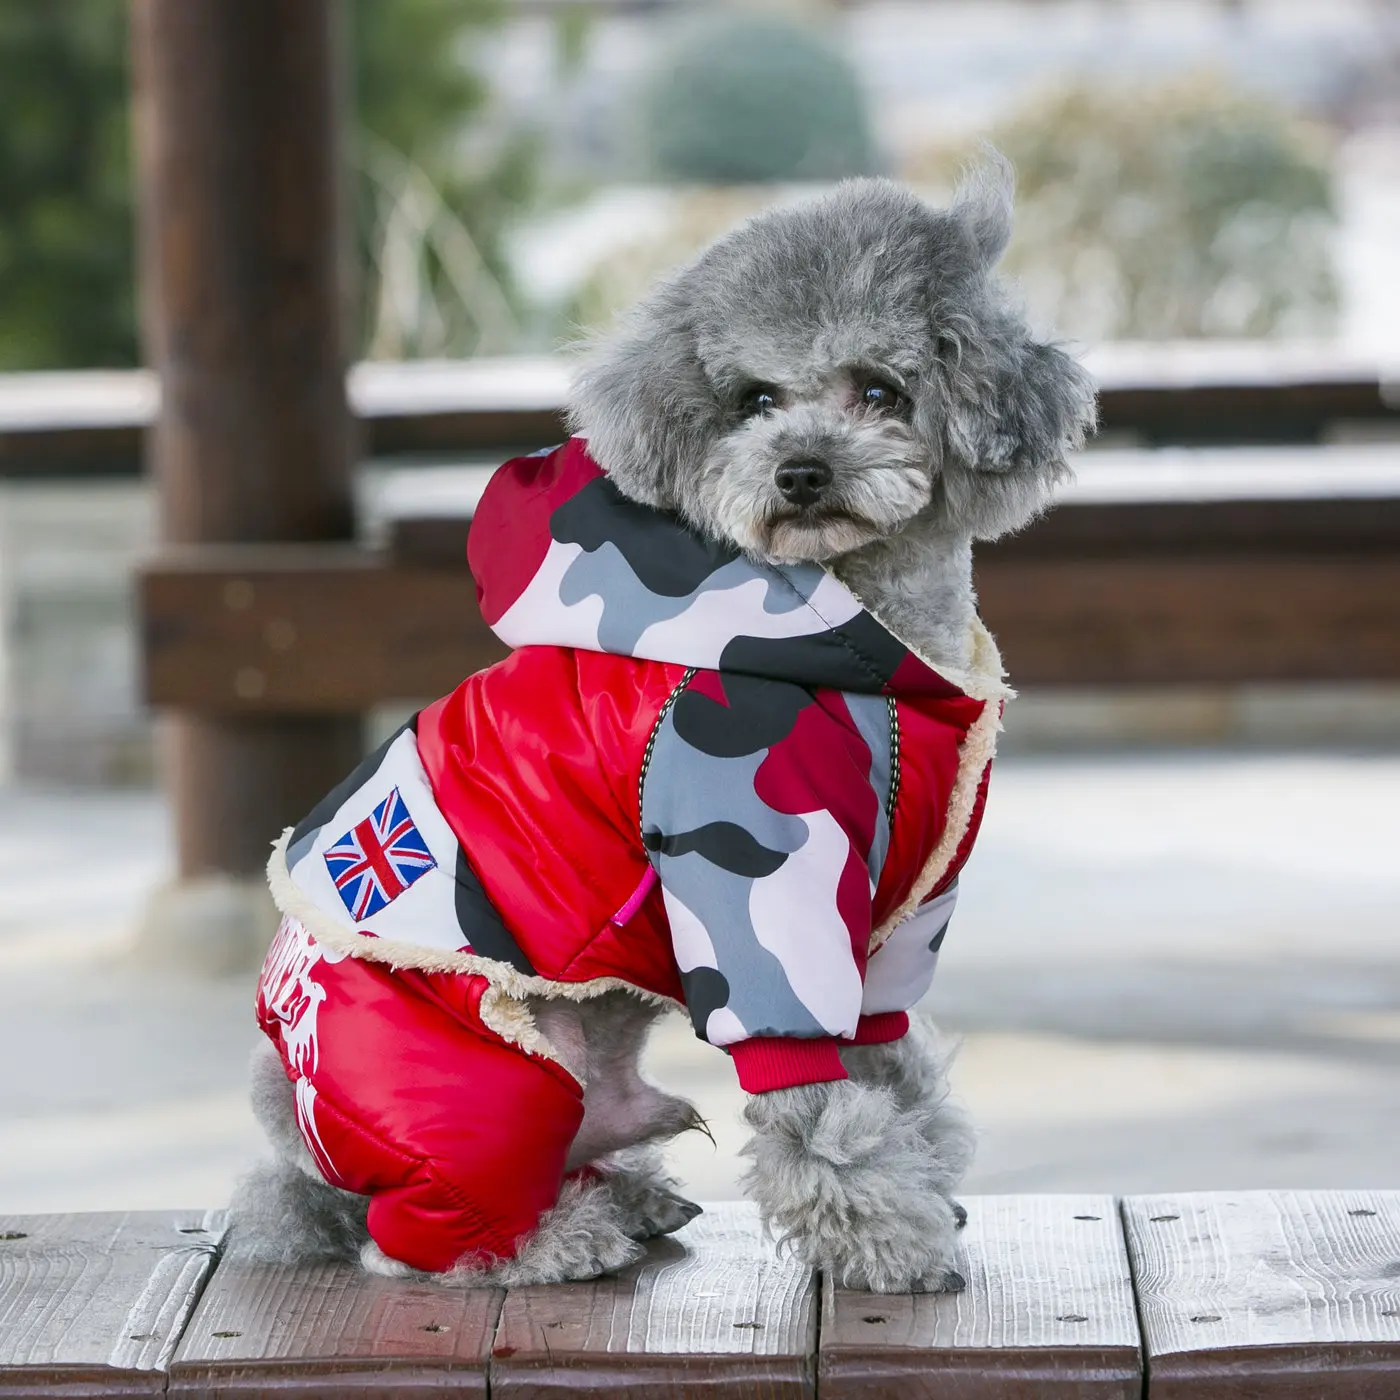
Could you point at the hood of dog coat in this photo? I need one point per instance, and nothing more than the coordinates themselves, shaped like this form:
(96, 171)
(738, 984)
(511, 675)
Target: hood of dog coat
(562, 558)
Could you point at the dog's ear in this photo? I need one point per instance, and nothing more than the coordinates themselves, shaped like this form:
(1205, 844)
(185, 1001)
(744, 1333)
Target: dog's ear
(642, 400)
(1008, 409)
(1014, 410)
(982, 208)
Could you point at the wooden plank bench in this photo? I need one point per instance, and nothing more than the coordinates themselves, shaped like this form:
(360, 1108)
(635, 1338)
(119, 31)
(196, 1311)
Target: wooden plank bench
(1217, 1296)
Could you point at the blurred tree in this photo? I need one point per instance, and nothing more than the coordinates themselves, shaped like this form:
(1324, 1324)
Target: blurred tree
(66, 240)
(434, 190)
(1182, 210)
(410, 68)
(751, 98)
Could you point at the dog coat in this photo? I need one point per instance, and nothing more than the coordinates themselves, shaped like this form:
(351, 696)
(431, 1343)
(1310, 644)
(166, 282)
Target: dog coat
(697, 777)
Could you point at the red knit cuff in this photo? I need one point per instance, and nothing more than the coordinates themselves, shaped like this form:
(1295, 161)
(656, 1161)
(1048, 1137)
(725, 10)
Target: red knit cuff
(880, 1029)
(778, 1062)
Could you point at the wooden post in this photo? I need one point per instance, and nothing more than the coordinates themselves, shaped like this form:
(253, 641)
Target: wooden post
(238, 129)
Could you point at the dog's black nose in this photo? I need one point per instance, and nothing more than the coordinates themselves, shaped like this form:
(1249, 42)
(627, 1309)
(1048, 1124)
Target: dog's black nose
(802, 482)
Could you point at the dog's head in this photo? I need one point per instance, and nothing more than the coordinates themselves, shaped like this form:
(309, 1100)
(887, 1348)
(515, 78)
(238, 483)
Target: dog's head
(826, 374)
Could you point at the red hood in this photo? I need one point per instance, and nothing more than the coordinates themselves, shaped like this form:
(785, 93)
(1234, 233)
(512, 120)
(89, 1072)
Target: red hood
(562, 558)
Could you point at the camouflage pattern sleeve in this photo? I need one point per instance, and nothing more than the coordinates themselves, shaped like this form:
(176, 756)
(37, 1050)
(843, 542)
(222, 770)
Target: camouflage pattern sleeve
(764, 812)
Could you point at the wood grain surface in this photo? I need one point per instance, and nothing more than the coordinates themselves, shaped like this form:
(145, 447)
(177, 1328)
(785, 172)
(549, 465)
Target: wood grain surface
(1198, 618)
(309, 630)
(1272, 1294)
(304, 629)
(712, 1311)
(94, 1304)
(321, 1331)
(1047, 1312)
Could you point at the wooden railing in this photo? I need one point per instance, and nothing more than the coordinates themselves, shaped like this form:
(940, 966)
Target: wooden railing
(1207, 565)
(92, 424)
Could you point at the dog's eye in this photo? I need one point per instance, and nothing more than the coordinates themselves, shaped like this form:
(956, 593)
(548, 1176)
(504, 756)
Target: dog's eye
(759, 400)
(878, 395)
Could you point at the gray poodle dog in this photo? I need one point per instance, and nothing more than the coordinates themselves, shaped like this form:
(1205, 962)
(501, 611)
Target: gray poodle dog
(846, 382)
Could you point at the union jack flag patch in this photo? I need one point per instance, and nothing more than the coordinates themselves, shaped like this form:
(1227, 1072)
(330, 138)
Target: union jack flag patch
(378, 858)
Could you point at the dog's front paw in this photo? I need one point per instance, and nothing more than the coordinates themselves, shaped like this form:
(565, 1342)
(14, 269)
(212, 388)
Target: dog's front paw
(880, 1258)
(843, 1177)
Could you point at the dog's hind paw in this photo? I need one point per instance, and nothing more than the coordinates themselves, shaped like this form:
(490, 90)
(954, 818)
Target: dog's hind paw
(641, 1190)
(546, 1258)
(375, 1261)
(582, 1237)
(655, 1211)
(662, 1215)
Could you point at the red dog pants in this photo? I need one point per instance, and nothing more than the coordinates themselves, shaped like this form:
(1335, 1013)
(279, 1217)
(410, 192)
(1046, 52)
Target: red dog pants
(404, 1095)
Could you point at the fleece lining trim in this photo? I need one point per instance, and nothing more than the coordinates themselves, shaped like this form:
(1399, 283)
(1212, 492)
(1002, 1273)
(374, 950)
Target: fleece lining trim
(977, 751)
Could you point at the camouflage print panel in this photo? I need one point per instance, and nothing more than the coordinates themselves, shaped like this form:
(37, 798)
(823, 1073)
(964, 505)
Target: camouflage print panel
(874, 717)
(764, 811)
(901, 969)
(664, 556)
(623, 578)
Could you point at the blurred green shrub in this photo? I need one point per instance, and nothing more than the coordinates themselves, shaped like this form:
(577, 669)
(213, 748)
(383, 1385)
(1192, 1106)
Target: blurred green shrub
(66, 226)
(753, 99)
(743, 102)
(1181, 210)
(66, 237)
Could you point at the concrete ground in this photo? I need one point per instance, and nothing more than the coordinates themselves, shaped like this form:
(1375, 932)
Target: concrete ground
(1169, 971)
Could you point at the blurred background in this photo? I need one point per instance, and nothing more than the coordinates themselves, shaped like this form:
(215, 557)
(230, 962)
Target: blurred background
(1175, 961)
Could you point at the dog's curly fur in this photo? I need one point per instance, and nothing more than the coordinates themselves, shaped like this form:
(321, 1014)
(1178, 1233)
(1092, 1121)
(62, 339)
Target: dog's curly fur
(865, 332)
